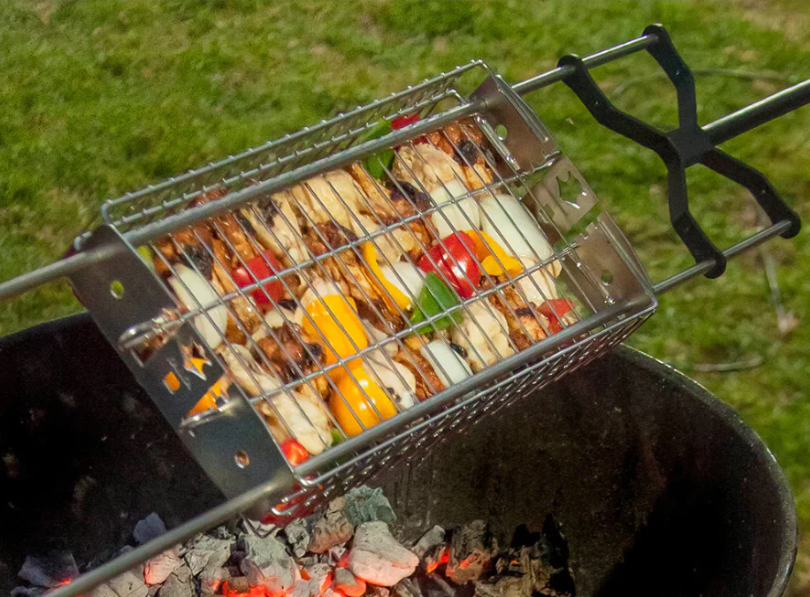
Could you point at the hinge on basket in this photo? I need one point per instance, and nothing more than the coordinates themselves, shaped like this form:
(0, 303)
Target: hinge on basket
(680, 148)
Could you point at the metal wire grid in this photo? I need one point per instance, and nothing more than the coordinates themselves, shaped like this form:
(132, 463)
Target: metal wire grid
(137, 209)
(235, 242)
(414, 442)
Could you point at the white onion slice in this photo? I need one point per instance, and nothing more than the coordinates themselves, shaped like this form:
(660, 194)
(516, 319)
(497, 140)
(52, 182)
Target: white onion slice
(519, 236)
(461, 215)
(447, 364)
(405, 277)
(195, 292)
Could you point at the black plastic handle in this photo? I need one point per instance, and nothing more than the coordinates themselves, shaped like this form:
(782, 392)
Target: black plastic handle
(687, 145)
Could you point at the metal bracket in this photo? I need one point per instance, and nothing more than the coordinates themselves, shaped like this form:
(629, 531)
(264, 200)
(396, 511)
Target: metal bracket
(680, 148)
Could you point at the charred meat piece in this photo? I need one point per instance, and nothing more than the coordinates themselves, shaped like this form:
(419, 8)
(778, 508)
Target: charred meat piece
(184, 246)
(427, 382)
(290, 356)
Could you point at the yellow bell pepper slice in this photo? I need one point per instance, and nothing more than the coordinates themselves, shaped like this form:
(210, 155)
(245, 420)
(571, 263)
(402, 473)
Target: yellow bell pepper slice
(340, 330)
(360, 393)
(387, 288)
(490, 252)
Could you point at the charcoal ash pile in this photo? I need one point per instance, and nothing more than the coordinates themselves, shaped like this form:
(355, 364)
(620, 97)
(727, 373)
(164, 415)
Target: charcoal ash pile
(350, 548)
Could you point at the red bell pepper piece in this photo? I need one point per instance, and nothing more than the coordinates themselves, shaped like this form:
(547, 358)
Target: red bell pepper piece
(294, 451)
(553, 310)
(457, 263)
(259, 268)
(403, 121)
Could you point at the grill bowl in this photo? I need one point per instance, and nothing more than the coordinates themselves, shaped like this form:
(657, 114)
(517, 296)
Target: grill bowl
(660, 487)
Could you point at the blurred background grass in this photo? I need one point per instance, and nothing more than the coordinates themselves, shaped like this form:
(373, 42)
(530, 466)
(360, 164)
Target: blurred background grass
(99, 98)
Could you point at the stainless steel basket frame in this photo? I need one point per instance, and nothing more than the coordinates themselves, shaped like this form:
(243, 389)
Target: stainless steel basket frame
(234, 445)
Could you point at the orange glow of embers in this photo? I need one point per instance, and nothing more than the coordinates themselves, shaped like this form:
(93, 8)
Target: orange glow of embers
(443, 559)
(252, 592)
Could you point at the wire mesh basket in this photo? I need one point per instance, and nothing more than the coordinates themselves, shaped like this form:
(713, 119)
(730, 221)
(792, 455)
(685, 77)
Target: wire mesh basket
(318, 309)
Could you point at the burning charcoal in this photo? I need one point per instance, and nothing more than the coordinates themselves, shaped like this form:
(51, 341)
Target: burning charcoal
(378, 558)
(336, 554)
(443, 585)
(204, 551)
(153, 590)
(158, 569)
(49, 568)
(379, 592)
(348, 584)
(364, 504)
(27, 591)
(225, 532)
(407, 587)
(319, 577)
(268, 563)
(211, 579)
(332, 529)
(298, 536)
(148, 528)
(179, 584)
(128, 584)
(237, 584)
(434, 537)
(469, 553)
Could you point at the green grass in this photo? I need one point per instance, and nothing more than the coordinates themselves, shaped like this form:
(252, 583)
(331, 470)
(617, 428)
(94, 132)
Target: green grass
(99, 98)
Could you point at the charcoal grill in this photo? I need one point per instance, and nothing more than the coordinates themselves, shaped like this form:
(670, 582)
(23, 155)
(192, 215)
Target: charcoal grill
(613, 295)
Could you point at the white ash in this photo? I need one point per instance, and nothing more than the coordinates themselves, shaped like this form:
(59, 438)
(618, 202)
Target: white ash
(378, 558)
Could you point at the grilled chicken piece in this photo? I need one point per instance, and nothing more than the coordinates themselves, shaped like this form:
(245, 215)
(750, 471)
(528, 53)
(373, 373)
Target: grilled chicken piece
(426, 165)
(408, 202)
(522, 319)
(235, 229)
(333, 196)
(278, 227)
(483, 334)
(427, 382)
(377, 194)
(467, 145)
(288, 354)
(300, 413)
(247, 313)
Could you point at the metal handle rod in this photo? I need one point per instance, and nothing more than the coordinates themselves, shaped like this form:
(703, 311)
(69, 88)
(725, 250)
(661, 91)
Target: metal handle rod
(741, 247)
(758, 113)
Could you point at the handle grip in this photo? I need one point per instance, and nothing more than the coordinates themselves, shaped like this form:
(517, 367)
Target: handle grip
(690, 144)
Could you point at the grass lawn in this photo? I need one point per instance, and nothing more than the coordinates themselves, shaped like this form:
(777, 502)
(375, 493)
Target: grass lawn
(99, 98)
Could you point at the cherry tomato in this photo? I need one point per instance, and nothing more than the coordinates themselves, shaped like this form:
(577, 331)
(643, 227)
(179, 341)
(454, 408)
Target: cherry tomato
(403, 121)
(294, 451)
(258, 269)
(457, 263)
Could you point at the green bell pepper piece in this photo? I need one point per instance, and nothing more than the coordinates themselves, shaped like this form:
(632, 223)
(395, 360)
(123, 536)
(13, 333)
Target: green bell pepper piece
(376, 164)
(435, 298)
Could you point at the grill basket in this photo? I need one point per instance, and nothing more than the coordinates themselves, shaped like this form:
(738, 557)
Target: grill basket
(515, 156)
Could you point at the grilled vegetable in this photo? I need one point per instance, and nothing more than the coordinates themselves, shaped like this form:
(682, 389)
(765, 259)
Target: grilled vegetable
(398, 381)
(399, 282)
(260, 268)
(377, 163)
(510, 225)
(194, 292)
(209, 400)
(555, 310)
(336, 324)
(481, 334)
(462, 214)
(455, 259)
(446, 362)
(494, 259)
(356, 399)
(434, 299)
(294, 452)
